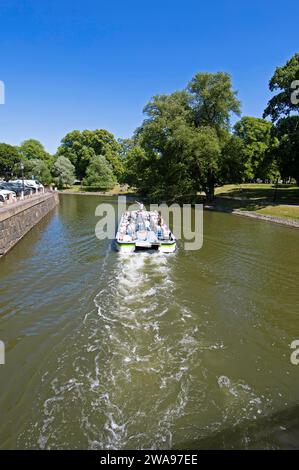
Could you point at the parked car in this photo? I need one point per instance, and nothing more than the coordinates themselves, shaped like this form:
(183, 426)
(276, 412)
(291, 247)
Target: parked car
(16, 187)
(4, 195)
(31, 184)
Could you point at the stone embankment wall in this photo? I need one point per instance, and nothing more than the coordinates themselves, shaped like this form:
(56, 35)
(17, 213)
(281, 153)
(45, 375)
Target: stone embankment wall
(18, 218)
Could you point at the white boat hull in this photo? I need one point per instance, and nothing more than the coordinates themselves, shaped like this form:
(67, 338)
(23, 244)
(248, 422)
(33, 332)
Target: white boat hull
(131, 247)
(167, 248)
(125, 247)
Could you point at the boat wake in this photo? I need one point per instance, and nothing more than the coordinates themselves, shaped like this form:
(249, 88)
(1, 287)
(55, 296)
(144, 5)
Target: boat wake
(132, 375)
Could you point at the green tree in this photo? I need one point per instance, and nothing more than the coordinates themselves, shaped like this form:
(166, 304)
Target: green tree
(82, 147)
(63, 172)
(204, 149)
(283, 110)
(257, 136)
(39, 170)
(213, 100)
(282, 82)
(125, 147)
(182, 137)
(9, 160)
(287, 151)
(163, 136)
(33, 149)
(136, 164)
(99, 174)
(232, 161)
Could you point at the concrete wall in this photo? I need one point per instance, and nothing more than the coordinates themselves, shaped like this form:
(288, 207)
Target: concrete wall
(18, 218)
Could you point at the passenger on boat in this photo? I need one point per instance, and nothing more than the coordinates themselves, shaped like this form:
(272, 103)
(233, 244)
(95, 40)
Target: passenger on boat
(165, 232)
(160, 220)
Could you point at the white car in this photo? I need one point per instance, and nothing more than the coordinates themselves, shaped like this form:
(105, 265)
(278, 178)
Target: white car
(4, 195)
(31, 184)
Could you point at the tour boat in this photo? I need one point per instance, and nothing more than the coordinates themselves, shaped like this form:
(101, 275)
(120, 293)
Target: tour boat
(144, 230)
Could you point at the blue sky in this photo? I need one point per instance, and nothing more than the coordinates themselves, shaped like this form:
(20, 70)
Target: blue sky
(95, 64)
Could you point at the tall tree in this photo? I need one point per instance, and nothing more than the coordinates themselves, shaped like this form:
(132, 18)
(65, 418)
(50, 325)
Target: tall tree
(282, 82)
(63, 172)
(182, 137)
(257, 136)
(213, 100)
(82, 147)
(136, 166)
(287, 152)
(9, 160)
(283, 109)
(34, 149)
(99, 174)
(38, 169)
(163, 136)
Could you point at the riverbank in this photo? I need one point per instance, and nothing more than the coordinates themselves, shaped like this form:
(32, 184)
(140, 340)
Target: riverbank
(259, 201)
(118, 190)
(254, 215)
(248, 200)
(18, 218)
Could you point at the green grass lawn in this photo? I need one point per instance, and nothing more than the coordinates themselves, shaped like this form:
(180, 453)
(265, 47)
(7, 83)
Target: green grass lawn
(286, 193)
(260, 199)
(76, 188)
(245, 197)
(287, 212)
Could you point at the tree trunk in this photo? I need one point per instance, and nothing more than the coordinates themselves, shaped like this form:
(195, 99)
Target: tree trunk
(275, 191)
(210, 186)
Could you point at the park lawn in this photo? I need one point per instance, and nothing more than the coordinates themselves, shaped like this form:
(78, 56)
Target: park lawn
(259, 198)
(244, 197)
(286, 193)
(76, 188)
(72, 189)
(281, 210)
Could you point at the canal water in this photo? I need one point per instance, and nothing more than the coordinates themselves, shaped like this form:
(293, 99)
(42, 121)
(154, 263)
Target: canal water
(188, 350)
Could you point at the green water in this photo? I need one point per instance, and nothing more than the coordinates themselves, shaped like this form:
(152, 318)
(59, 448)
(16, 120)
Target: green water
(110, 351)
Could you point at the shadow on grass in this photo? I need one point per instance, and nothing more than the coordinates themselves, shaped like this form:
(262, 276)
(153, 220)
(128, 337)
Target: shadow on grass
(256, 198)
(267, 195)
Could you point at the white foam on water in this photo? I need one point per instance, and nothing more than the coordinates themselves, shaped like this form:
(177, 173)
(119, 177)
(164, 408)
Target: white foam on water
(126, 378)
(240, 396)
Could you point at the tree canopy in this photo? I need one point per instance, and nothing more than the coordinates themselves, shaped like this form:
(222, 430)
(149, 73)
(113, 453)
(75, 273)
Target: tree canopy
(179, 144)
(282, 82)
(38, 169)
(213, 100)
(63, 172)
(287, 151)
(259, 143)
(9, 158)
(81, 149)
(283, 110)
(33, 149)
(99, 174)
(185, 143)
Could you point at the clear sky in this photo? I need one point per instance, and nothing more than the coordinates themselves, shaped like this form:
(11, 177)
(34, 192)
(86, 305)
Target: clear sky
(87, 64)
